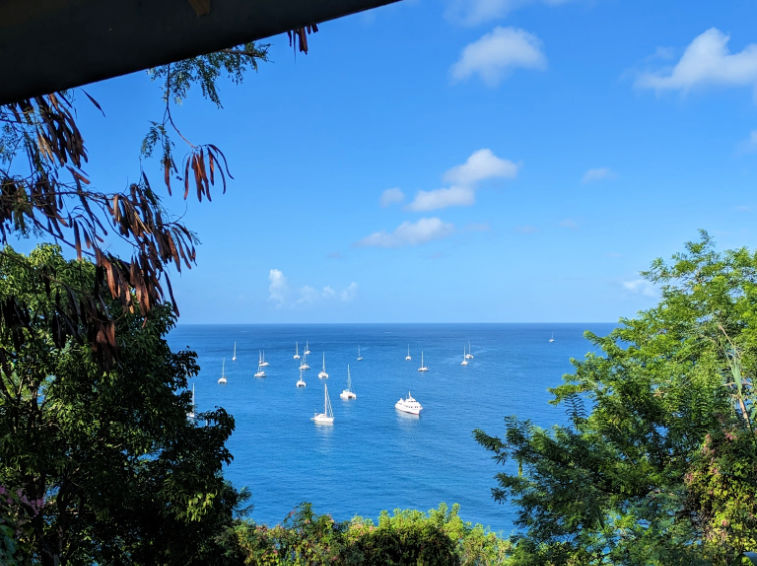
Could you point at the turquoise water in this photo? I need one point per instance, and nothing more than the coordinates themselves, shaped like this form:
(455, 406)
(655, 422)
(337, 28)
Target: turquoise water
(374, 457)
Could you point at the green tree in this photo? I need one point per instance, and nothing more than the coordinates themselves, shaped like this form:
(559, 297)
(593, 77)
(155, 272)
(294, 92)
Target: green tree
(103, 465)
(659, 464)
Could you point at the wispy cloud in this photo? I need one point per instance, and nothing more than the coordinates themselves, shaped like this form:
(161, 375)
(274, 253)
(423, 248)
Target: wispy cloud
(706, 62)
(392, 196)
(442, 198)
(277, 286)
(478, 227)
(749, 145)
(497, 54)
(526, 229)
(349, 294)
(598, 174)
(640, 287)
(569, 223)
(474, 12)
(284, 296)
(481, 166)
(410, 234)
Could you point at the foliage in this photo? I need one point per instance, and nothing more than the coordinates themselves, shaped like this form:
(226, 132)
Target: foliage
(661, 468)
(407, 537)
(102, 466)
(45, 191)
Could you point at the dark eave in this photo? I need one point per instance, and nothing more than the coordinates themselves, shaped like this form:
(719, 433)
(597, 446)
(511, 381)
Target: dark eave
(50, 45)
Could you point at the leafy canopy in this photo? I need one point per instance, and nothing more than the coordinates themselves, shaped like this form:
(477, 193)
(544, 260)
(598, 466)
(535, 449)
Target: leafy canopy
(659, 464)
(101, 466)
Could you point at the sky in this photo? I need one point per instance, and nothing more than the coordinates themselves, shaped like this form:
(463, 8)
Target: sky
(461, 161)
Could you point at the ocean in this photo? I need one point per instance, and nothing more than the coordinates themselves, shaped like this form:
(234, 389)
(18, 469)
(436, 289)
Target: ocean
(373, 457)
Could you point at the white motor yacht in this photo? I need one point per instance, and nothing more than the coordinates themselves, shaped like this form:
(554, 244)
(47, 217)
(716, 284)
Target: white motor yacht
(409, 405)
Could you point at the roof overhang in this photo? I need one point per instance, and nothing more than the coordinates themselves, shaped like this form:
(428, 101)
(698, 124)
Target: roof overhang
(51, 45)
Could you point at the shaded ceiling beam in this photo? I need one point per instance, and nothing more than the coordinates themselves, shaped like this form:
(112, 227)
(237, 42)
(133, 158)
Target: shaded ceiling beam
(50, 45)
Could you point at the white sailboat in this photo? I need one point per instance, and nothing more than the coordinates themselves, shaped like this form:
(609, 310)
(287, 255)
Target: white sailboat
(408, 357)
(327, 416)
(260, 372)
(234, 357)
(409, 405)
(552, 338)
(322, 374)
(465, 358)
(307, 349)
(347, 394)
(296, 351)
(191, 413)
(423, 367)
(468, 356)
(359, 357)
(222, 379)
(262, 363)
(304, 364)
(301, 382)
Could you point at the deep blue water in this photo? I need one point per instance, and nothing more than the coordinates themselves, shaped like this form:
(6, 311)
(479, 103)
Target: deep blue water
(374, 457)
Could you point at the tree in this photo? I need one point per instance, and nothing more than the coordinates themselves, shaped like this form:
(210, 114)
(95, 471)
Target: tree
(103, 465)
(45, 191)
(661, 468)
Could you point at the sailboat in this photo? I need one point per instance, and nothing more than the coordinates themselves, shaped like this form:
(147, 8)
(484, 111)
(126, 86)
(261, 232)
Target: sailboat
(222, 379)
(468, 356)
(347, 394)
(301, 382)
(552, 338)
(296, 351)
(359, 357)
(304, 364)
(307, 348)
(323, 374)
(191, 413)
(260, 372)
(423, 366)
(408, 357)
(327, 416)
(262, 363)
(465, 358)
(234, 357)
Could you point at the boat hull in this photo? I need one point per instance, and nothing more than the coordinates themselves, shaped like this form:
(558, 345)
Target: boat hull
(323, 419)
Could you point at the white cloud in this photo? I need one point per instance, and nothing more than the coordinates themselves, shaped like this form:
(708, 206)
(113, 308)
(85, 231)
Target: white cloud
(598, 174)
(497, 53)
(410, 234)
(442, 198)
(328, 292)
(473, 12)
(280, 293)
(481, 165)
(349, 294)
(640, 287)
(706, 61)
(569, 223)
(391, 196)
(277, 286)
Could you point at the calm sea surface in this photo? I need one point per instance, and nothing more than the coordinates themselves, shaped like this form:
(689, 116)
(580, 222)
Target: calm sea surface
(374, 457)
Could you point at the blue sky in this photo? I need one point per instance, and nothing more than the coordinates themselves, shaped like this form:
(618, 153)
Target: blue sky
(462, 160)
